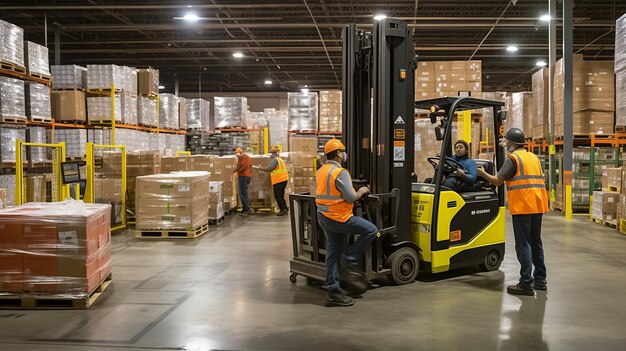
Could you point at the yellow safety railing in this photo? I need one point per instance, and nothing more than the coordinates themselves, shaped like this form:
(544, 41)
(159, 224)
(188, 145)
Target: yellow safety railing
(90, 195)
(58, 156)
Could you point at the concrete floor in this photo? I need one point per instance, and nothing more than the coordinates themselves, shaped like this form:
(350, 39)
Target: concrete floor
(229, 290)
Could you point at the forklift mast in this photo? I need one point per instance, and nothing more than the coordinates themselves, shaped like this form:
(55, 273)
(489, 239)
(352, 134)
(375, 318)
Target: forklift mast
(378, 110)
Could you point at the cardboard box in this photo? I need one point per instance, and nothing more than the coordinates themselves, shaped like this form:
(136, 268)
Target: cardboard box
(614, 178)
(148, 82)
(35, 188)
(68, 105)
(3, 197)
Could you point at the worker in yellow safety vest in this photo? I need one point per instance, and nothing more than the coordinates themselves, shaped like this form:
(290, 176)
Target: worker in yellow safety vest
(528, 201)
(279, 178)
(335, 197)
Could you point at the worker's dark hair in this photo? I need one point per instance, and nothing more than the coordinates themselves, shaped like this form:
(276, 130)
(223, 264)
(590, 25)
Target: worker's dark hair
(332, 154)
(461, 141)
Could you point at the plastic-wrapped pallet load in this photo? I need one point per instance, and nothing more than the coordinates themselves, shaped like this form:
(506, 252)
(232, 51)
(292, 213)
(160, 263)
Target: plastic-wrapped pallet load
(260, 191)
(8, 136)
(74, 139)
(330, 111)
(278, 127)
(302, 109)
(172, 201)
(36, 135)
(129, 82)
(487, 120)
(230, 111)
(38, 106)
(69, 77)
(7, 181)
(11, 44)
(540, 104)
(147, 112)
(36, 59)
(148, 81)
(104, 77)
(216, 200)
(168, 111)
(620, 73)
(197, 114)
(12, 104)
(60, 249)
(255, 120)
(520, 115)
(99, 108)
(129, 108)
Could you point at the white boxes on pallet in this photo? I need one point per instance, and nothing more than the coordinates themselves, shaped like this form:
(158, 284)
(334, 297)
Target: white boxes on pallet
(7, 181)
(69, 77)
(104, 77)
(129, 108)
(197, 114)
(38, 102)
(147, 112)
(12, 103)
(302, 109)
(11, 43)
(278, 127)
(230, 111)
(99, 108)
(74, 139)
(620, 44)
(36, 135)
(129, 80)
(8, 136)
(100, 136)
(168, 111)
(36, 59)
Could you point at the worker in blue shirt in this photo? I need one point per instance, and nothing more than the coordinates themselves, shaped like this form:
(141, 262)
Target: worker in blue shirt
(463, 178)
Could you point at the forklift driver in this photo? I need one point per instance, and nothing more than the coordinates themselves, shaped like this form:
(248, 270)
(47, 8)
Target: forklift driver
(463, 178)
(335, 197)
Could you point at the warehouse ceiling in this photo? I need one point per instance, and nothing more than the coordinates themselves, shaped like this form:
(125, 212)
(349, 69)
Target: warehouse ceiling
(298, 43)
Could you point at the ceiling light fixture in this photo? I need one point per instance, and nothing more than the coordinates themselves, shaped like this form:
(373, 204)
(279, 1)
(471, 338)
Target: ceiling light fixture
(545, 18)
(191, 17)
(541, 63)
(237, 55)
(380, 17)
(511, 48)
(268, 82)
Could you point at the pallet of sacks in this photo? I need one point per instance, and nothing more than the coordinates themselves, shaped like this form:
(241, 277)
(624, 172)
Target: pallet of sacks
(54, 255)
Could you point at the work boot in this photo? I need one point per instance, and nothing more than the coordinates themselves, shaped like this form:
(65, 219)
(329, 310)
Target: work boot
(520, 290)
(281, 213)
(353, 279)
(337, 298)
(244, 213)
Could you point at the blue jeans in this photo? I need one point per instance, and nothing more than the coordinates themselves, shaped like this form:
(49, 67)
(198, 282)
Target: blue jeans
(336, 235)
(243, 193)
(529, 249)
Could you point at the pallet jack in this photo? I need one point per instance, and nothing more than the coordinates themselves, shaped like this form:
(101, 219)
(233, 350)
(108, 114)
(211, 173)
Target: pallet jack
(421, 225)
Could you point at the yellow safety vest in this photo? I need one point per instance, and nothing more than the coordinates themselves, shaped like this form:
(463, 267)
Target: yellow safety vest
(526, 191)
(279, 174)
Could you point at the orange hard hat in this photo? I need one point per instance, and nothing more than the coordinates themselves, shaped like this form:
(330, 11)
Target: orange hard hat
(332, 145)
(238, 151)
(275, 149)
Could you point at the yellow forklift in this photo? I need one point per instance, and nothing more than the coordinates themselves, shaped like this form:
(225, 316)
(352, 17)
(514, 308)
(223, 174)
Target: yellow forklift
(421, 225)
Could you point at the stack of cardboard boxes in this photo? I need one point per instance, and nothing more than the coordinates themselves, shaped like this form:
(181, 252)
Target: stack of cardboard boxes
(540, 105)
(58, 249)
(216, 201)
(303, 150)
(604, 206)
(447, 78)
(173, 201)
(594, 102)
(330, 111)
(620, 73)
(260, 190)
(521, 113)
(139, 164)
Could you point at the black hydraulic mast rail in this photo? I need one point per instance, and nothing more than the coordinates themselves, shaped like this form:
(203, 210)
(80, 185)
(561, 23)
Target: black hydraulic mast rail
(452, 105)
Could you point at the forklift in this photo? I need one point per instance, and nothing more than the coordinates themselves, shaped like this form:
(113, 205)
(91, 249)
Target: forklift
(422, 226)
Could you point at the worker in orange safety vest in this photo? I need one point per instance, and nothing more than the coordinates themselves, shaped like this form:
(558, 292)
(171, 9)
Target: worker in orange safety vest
(528, 201)
(279, 178)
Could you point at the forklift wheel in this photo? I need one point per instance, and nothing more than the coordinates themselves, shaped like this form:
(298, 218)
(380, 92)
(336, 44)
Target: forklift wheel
(292, 278)
(404, 265)
(492, 261)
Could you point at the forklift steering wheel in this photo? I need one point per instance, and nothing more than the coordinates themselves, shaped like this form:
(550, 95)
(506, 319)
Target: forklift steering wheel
(450, 165)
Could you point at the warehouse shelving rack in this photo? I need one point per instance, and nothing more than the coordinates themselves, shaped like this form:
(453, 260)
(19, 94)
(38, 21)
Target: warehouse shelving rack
(58, 156)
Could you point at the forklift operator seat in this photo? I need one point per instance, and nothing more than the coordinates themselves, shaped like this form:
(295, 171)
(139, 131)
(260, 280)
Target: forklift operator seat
(481, 187)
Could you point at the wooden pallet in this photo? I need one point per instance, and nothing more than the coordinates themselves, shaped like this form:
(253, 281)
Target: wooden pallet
(615, 188)
(13, 119)
(216, 221)
(12, 67)
(69, 89)
(145, 125)
(171, 233)
(73, 122)
(610, 224)
(620, 128)
(105, 122)
(43, 302)
(40, 76)
(104, 91)
(41, 119)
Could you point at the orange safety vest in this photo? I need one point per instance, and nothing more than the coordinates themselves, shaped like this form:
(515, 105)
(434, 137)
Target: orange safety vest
(279, 174)
(328, 197)
(526, 191)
